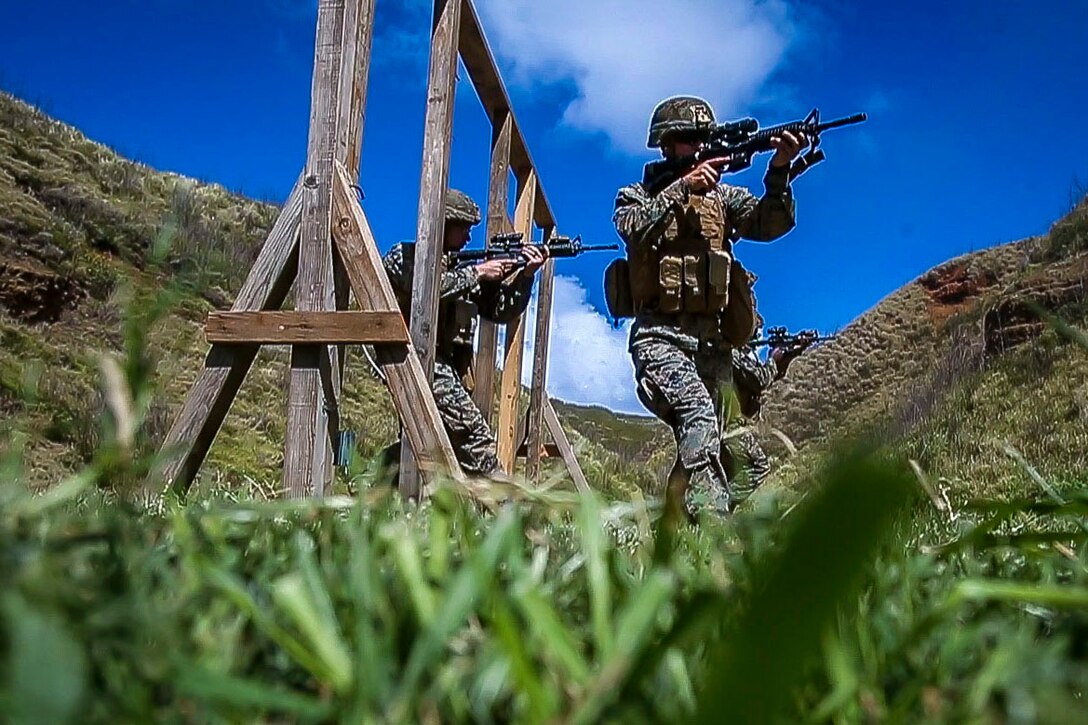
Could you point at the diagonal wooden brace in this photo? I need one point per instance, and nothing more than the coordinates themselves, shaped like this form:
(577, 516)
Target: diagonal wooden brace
(210, 397)
(399, 363)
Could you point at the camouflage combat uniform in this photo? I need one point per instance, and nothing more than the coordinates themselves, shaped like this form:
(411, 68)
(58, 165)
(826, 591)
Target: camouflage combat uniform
(751, 378)
(462, 297)
(683, 360)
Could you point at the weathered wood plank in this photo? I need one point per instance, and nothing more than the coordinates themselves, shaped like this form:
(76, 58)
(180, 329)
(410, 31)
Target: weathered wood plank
(498, 195)
(434, 179)
(551, 420)
(399, 363)
(479, 61)
(208, 400)
(354, 76)
(538, 392)
(307, 459)
(510, 382)
(305, 328)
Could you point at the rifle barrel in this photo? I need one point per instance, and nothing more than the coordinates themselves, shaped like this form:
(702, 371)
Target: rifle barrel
(845, 121)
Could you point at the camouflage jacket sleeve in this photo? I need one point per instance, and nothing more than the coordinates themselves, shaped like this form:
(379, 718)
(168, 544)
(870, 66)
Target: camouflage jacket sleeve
(399, 263)
(766, 218)
(751, 373)
(640, 218)
(504, 302)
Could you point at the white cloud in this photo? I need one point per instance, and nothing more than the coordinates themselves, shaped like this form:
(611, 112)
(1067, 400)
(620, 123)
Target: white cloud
(623, 56)
(588, 362)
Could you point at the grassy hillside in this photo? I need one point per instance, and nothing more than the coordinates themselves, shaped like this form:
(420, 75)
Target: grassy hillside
(955, 365)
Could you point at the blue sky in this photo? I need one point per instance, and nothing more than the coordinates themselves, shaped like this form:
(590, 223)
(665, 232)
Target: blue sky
(974, 135)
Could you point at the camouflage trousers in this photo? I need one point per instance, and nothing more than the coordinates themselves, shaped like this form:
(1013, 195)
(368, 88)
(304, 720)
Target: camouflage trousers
(744, 458)
(690, 391)
(472, 439)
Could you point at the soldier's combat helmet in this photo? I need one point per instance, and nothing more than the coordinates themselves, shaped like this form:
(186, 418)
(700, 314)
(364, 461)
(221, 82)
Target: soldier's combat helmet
(679, 114)
(461, 208)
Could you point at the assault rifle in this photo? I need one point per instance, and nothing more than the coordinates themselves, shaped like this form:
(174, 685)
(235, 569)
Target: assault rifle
(741, 140)
(780, 337)
(512, 246)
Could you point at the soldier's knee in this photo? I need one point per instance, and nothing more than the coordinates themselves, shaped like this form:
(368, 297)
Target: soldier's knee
(698, 445)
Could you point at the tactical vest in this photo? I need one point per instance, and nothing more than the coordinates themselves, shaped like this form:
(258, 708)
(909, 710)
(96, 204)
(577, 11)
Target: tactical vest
(456, 332)
(456, 323)
(456, 328)
(457, 319)
(693, 272)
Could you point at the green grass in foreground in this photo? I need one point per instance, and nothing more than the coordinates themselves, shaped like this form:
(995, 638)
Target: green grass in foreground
(860, 603)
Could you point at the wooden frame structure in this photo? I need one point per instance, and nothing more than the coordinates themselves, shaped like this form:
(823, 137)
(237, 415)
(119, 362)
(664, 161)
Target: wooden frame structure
(322, 245)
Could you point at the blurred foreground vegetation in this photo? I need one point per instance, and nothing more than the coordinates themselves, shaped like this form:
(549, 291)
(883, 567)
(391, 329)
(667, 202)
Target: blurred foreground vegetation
(868, 598)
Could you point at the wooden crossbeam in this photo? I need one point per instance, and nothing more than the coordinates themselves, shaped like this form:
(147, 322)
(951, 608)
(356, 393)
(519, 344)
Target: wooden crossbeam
(548, 450)
(400, 365)
(510, 382)
(305, 328)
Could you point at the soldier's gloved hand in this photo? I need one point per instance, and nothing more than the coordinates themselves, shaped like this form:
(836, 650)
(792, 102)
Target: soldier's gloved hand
(534, 258)
(787, 147)
(705, 176)
(495, 270)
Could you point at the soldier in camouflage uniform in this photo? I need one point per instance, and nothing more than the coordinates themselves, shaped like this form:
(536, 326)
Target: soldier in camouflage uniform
(752, 376)
(465, 293)
(689, 295)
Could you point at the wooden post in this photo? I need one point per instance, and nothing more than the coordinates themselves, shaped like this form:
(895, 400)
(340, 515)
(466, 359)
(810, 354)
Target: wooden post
(510, 384)
(498, 194)
(538, 393)
(354, 76)
(307, 458)
(437, 135)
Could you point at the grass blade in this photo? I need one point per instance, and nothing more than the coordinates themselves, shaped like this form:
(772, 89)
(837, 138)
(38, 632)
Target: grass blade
(816, 569)
(600, 595)
(224, 689)
(466, 590)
